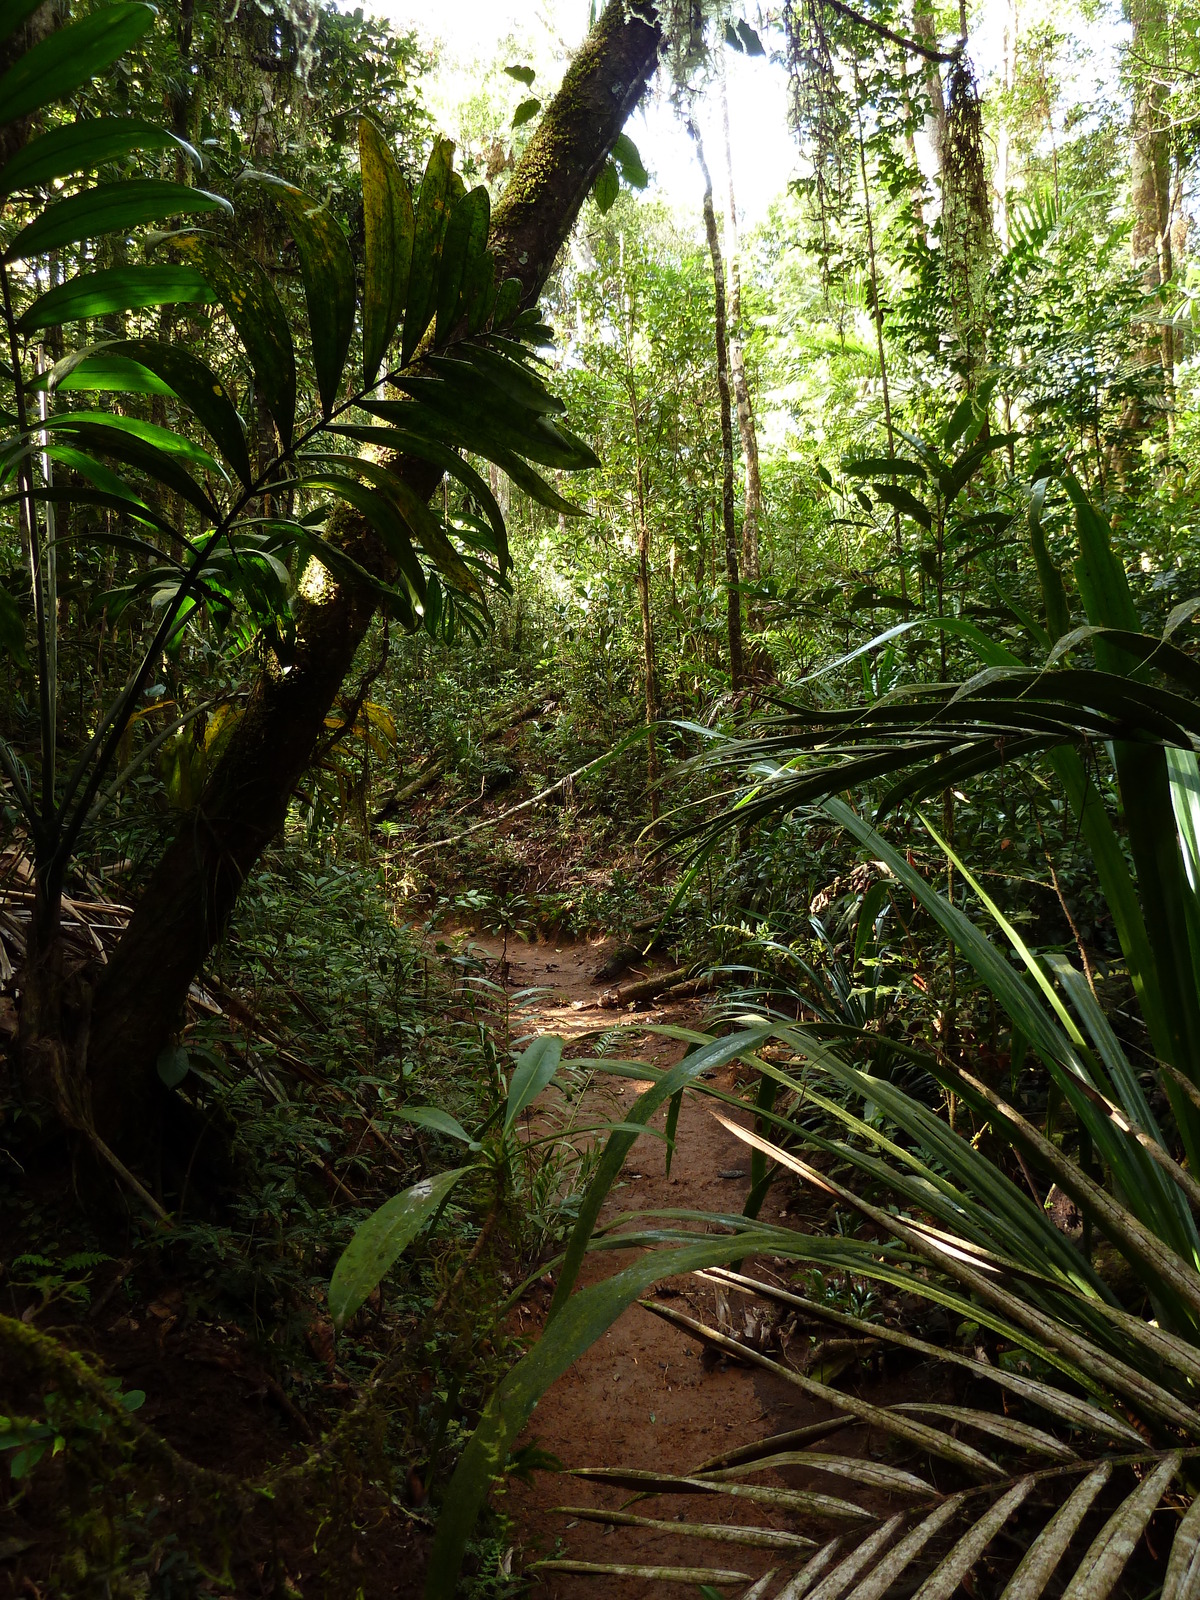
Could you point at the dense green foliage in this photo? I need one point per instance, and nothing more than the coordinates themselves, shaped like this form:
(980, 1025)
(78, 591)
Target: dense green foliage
(891, 738)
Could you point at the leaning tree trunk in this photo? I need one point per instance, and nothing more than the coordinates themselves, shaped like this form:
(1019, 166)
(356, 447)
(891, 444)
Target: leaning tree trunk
(736, 673)
(187, 903)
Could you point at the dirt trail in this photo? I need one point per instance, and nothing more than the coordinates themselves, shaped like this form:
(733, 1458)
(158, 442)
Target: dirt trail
(644, 1396)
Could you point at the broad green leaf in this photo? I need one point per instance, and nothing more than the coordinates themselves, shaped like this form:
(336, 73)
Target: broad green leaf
(434, 205)
(96, 294)
(533, 1071)
(465, 245)
(380, 1240)
(1101, 577)
(524, 75)
(468, 406)
(625, 154)
(109, 208)
(84, 146)
(442, 456)
(93, 370)
(103, 477)
(389, 225)
(751, 42)
(1167, 901)
(169, 440)
(534, 485)
(250, 302)
(959, 421)
(895, 494)
(960, 474)
(508, 300)
(120, 503)
(513, 378)
(526, 111)
(327, 268)
(606, 188)
(437, 1121)
(1054, 594)
(619, 1144)
(419, 520)
(136, 450)
(173, 1065)
(72, 56)
(198, 386)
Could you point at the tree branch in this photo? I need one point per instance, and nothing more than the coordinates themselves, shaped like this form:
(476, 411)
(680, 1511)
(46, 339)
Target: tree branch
(911, 45)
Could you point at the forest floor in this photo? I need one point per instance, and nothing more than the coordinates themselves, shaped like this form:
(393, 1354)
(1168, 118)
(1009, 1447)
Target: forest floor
(645, 1396)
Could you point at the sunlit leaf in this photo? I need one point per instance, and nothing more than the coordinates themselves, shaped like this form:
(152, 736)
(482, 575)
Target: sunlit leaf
(97, 294)
(109, 208)
(379, 1242)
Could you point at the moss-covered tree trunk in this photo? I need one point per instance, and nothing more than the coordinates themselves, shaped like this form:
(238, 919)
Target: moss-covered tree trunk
(186, 905)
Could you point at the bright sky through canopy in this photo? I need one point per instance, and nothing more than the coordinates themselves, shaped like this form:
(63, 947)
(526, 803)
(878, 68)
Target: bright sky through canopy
(470, 33)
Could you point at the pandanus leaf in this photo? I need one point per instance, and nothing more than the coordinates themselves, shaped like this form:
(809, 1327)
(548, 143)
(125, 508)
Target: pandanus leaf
(435, 202)
(327, 270)
(387, 257)
(250, 302)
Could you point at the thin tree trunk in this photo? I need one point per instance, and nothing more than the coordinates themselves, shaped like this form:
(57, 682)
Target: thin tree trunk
(877, 319)
(190, 896)
(42, 1060)
(752, 506)
(1150, 186)
(649, 664)
(924, 29)
(736, 672)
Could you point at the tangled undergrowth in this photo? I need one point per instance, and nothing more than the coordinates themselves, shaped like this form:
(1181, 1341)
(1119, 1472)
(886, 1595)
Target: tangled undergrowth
(179, 1417)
